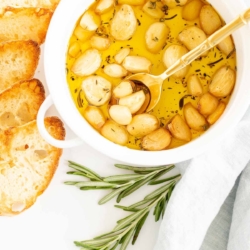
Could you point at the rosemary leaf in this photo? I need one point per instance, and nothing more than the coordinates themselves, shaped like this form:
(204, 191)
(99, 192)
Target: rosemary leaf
(82, 174)
(84, 169)
(158, 210)
(76, 173)
(93, 188)
(70, 182)
(121, 207)
(135, 186)
(127, 209)
(98, 242)
(170, 191)
(164, 205)
(98, 184)
(127, 239)
(138, 204)
(126, 221)
(110, 234)
(142, 172)
(119, 197)
(111, 195)
(156, 182)
(159, 191)
(115, 246)
(139, 227)
(139, 169)
(127, 177)
(80, 244)
(164, 171)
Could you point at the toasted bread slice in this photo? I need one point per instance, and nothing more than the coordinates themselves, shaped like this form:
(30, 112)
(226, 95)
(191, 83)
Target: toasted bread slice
(18, 61)
(27, 164)
(24, 24)
(20, 103)
(50, 4)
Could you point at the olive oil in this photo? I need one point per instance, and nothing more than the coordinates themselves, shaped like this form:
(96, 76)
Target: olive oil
(174, 91)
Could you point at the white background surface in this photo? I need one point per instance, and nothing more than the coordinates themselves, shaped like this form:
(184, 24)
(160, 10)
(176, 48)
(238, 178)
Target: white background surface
(63, 214)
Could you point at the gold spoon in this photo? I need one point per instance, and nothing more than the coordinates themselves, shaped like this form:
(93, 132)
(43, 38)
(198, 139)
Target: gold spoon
(154, 82)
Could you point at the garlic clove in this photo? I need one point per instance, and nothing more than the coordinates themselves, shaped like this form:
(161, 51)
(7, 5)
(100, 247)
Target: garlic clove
(100, 43)
(222, 82)
(156, 36)
(104, 6)
(143, 124)
(226, 46)
(157, 140)
(90, 20)
(82, 34)
(194, 85)
(209, 19)
(120, 114)
(115, 132)
(121, 55)
(88, 63)
(194, 119)
(133, 101)
(74, 49)
(137, 64)
(179, 129)
(153, 9)
(174, 3)
(171, 55)
(94, 116)
(217, 113)
(192, 10)
(123, 89)
(97, 90)
(115, 70)
(191, 37)
(124, 23)
(207, 104)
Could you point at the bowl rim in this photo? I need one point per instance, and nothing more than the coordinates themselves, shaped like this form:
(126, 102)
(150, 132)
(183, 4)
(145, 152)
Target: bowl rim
(66, 16)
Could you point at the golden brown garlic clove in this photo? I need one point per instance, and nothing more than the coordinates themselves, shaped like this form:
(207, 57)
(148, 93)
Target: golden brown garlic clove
(207, 104)
(143, 124)
(193, 118)
(156, 140)
(179, 129)
(115, 132)
(222, 82)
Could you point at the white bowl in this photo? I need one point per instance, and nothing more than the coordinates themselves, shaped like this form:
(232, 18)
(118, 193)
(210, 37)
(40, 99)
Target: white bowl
(60, 30)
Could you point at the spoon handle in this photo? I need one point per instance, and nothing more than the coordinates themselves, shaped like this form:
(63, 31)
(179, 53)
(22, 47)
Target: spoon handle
(210, 42)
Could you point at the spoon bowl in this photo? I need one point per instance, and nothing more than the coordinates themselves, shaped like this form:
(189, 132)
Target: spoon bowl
(154, 82)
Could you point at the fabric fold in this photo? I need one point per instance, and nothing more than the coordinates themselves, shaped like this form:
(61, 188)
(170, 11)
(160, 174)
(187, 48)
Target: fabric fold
(207, 181)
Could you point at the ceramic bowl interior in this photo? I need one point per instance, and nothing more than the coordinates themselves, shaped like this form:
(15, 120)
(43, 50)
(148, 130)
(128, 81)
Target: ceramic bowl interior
(60, 30)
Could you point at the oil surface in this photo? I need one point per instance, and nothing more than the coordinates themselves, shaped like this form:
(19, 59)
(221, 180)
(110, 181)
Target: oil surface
(174, 91)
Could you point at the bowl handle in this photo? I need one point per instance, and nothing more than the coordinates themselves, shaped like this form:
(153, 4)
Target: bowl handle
(44, 133)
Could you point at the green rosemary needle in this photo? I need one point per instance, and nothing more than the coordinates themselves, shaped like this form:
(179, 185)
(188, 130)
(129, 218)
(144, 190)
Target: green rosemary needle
(121, 185)
(128, 228)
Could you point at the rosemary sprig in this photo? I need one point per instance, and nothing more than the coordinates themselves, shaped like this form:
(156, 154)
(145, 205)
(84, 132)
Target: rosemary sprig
(121, 185)
(128, 228)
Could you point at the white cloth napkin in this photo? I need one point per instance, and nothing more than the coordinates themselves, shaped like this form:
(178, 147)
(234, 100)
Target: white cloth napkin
(197, 199)
(239, 237)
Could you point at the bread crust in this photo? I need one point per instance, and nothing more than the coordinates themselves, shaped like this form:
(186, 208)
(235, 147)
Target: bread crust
(49, 4)
(27, 165)
(35, 21)
(18, 61)
(20, 103)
